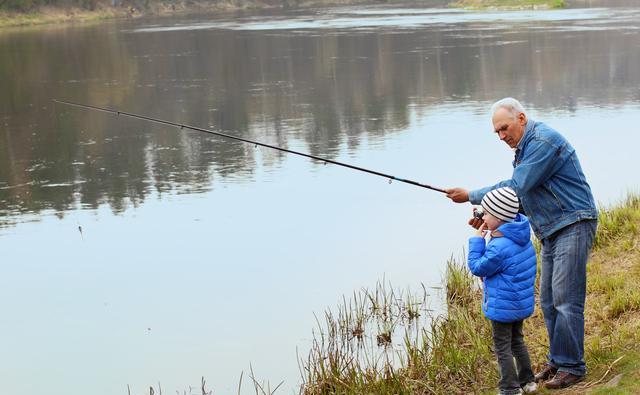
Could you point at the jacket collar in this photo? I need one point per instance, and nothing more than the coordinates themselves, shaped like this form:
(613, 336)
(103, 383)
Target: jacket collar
(527, 134)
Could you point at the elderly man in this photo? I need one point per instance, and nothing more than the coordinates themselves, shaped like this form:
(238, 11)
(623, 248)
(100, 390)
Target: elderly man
(554, 194)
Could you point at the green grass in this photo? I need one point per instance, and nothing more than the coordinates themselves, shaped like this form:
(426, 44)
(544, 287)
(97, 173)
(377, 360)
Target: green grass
(451, 352)
(509, 4)
(48, 16)
(619, 225)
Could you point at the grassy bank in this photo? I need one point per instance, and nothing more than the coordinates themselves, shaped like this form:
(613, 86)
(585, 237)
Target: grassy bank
(53, 15)
(47, 15)
(509, 4)
(382, 341)
(102, 9)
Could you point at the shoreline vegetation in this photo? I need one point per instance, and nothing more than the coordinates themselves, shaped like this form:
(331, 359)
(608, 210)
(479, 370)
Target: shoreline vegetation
(15, 13)
(508, 4)
(383, 341)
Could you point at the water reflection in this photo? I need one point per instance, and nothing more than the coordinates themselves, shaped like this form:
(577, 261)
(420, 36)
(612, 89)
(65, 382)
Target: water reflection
(320, 93)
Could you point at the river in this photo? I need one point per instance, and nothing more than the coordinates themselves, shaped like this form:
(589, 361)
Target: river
(135, 254)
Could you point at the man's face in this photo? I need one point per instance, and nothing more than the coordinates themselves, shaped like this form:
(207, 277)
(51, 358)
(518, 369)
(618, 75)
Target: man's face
(508, 128)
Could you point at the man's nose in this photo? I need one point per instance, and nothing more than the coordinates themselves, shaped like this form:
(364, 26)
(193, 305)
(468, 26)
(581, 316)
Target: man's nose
(502, 135)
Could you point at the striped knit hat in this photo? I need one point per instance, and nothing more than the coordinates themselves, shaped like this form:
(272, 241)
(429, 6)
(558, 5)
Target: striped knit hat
(502, 203)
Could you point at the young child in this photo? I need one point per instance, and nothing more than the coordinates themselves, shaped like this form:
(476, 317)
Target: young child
(507, 265)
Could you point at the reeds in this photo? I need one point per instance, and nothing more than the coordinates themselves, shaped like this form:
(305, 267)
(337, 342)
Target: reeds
(383, 342)
(619, 222)
(260, 387)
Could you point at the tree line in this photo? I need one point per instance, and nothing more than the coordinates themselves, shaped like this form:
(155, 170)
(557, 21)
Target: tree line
(30, 5)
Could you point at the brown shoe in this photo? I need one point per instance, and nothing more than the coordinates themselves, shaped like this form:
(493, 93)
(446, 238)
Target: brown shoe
(563, 380)
(547, 373)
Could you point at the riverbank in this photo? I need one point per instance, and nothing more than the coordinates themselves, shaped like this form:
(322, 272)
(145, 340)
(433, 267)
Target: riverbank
(45, 15)
(55, 15)
(509, 4)
(451, 353)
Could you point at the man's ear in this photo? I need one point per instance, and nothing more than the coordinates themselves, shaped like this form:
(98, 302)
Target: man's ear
(522, 119)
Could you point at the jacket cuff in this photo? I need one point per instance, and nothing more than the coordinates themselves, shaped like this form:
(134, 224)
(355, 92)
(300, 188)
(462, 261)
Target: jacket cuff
(476, 244)
(475, 197)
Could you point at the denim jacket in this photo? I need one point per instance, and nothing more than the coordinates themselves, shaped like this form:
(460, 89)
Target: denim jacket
(549, 181)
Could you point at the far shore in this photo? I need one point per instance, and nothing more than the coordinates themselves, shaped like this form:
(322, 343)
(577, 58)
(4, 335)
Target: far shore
(58, 15)
(509, 4)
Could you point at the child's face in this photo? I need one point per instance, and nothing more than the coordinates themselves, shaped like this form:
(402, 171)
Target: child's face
(492, 222)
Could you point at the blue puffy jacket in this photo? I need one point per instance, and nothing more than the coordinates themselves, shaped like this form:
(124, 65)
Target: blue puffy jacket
(508, 266)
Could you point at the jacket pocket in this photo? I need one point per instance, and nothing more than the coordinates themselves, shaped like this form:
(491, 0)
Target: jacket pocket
(545, 205)
(557, 202)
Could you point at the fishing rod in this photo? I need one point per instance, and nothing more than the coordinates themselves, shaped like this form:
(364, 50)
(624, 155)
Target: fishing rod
(256, 143)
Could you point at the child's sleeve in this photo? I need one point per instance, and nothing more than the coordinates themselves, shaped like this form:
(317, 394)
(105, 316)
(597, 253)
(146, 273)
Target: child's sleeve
(483, 261)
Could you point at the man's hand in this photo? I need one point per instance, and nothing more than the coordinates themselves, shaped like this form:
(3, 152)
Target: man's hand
(458, 195)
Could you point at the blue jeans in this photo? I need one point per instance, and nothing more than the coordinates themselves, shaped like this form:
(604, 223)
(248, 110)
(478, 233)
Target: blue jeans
(563, 287)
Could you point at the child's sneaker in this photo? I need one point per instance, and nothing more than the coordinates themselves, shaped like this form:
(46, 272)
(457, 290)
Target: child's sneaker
(530, 387)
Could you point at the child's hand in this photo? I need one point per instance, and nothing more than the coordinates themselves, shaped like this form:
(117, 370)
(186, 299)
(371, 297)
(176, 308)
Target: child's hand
(482, 230)
(475, 222)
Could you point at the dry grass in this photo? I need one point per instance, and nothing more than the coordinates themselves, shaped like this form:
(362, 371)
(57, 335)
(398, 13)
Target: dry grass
(509, 4)
(49, 16)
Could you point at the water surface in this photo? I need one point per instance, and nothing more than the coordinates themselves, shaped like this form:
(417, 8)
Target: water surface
(199, 256)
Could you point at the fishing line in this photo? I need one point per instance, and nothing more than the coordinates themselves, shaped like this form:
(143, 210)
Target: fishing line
(256, 143)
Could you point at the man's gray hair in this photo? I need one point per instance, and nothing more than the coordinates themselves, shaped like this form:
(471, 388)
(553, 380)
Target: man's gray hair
(510, 104)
